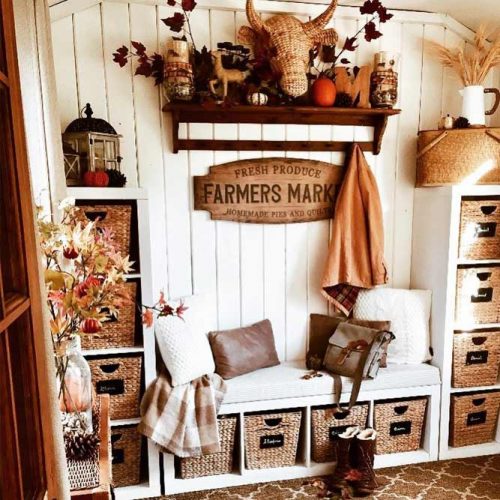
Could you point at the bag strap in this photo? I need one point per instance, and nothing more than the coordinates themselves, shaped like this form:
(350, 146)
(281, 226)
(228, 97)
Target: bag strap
(337, 390)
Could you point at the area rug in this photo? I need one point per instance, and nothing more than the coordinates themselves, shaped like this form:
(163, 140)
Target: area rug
(467, 479)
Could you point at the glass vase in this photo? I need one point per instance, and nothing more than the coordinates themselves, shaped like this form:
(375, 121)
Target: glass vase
(75, 386)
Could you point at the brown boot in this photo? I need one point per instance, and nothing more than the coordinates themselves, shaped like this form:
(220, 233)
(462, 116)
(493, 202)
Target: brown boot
(362, 457)
(343, 466)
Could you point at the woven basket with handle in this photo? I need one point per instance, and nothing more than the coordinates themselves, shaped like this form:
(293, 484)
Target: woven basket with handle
(271, 439)
(473, 418)
(476, 358)
(214, 463)
(399, 425)
(327, 424)
(480, 228)
(457, 156)
(126, 452)
(478, 295)
(121, 378)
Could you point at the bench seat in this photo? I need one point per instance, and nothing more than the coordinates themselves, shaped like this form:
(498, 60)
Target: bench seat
(284, 381)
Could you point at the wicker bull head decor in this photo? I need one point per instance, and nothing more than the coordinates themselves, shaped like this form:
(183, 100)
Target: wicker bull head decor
(291, 40)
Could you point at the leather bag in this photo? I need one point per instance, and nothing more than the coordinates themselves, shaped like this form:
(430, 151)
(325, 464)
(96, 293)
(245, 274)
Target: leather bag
(354, 351)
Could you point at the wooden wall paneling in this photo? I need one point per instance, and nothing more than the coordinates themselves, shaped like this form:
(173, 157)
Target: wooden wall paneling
(222, 29)
(89, 61)
(151, 143)
(386, 161)
(63, 47)
(251, 248)
(296, 269)
(274, 260)
(411, 70)
(432, 80)
(451, 100)
(119, 88)
(177, 189)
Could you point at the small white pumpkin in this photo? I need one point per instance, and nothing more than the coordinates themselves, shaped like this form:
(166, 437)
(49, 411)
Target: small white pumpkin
(257, 99)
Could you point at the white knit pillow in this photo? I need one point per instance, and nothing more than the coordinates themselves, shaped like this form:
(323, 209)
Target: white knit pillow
(183, 344)
(409, 314)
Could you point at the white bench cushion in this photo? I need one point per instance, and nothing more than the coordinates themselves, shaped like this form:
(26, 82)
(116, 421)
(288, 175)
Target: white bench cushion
(284, 381)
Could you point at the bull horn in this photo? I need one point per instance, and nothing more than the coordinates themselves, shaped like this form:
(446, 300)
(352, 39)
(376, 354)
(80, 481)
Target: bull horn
(317, 24)
(253, 18)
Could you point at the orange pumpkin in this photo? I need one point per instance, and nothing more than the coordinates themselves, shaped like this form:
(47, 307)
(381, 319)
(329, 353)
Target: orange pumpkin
(324, 92)
(101, 179)
(88, 178)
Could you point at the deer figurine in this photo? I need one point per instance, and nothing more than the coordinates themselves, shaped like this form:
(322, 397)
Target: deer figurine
(225, 76)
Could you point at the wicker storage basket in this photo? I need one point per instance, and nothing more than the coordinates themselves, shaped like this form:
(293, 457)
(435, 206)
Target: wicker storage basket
(480, 229)
(399, 425)
(476, 358)
(271, 439)
(453, 156)
(121, 379)
(84, 474)
(119, 332)
(478, 295)
(126, 452)
(117, 218)
(214, 463)
(473, 418)
(327, 424)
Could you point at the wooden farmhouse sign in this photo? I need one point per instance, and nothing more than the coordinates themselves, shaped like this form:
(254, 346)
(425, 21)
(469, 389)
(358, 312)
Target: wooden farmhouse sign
(269, 190)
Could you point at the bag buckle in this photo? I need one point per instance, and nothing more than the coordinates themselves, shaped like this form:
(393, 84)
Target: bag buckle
(353, 346)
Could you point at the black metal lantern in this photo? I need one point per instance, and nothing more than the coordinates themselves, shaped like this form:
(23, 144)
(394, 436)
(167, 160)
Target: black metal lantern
(95, 141)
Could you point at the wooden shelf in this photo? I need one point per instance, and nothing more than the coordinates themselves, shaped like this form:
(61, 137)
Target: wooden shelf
(302, 115)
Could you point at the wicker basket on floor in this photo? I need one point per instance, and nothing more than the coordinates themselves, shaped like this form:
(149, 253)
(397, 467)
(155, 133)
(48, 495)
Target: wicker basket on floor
(399, 425)
(214, 463)
(84, 474)
(480, 229)
(478, 295)
(116, 218)
(327, 424)
(120, 331)
(473, 418)
(271, 439)
(476, 358)
(454, 156)
(126, 452)
(121, 378)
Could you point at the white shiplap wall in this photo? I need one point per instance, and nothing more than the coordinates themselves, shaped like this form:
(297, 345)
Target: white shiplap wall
(250, 271)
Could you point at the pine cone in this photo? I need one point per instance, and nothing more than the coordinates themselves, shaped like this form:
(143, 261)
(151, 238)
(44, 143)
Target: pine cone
(343, 100)
(116, 178)
(461, 122)
(81, 445)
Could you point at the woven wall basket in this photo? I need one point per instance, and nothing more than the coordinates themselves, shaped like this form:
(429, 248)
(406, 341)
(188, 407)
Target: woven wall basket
(469, 156)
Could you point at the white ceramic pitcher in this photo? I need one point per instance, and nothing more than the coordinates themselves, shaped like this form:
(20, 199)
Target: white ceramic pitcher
(473, 103)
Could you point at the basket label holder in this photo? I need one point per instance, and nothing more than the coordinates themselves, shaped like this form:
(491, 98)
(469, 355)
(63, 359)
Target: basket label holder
(476, 357)
(112, 387)
(476, 418)
(400, 428)
(272, 441)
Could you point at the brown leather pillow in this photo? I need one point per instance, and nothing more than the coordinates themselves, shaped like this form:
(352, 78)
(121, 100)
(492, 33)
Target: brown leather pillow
(243, 350)
(321, 328)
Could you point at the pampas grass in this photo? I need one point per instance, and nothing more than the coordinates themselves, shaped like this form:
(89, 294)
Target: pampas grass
(471, 64)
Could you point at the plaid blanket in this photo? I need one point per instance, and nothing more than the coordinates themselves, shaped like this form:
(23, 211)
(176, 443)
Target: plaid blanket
(343, 296)
(183, 420)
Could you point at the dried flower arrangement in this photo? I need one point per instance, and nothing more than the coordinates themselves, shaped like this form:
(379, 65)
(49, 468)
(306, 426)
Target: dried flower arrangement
(471, 64)
(161, 308)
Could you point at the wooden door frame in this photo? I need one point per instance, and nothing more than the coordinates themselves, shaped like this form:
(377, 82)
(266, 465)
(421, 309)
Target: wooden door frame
(55, 462)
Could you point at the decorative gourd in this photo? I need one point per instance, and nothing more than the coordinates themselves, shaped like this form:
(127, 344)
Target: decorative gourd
(101, 179)
(88, 178)
(324, 92)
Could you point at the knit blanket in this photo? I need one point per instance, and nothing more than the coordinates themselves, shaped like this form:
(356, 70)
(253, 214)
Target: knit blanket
(183, 420)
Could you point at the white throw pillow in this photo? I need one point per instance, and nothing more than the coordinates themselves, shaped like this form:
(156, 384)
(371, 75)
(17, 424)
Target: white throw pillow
(409, 313)
(183, 343)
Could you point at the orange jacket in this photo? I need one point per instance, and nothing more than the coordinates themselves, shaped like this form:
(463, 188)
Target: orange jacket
(356, 254)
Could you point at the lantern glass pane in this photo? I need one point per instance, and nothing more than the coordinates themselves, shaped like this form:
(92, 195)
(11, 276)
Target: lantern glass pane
(99, 164)
(110, 150)
(98, 149)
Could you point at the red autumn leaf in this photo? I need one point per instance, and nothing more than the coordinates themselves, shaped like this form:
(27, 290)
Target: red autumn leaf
(172, 3)
(175, 22)
(349, 44)
(157, 68)
(370, 7)
(383, 15)
(188, 5)
(140, 49)
(144, 69)
(371, 32)
(167, 310)
(181, 309)
(120, 56)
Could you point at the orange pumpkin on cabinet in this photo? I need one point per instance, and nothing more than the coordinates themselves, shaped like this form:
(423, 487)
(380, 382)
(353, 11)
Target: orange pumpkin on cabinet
(323, 91)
